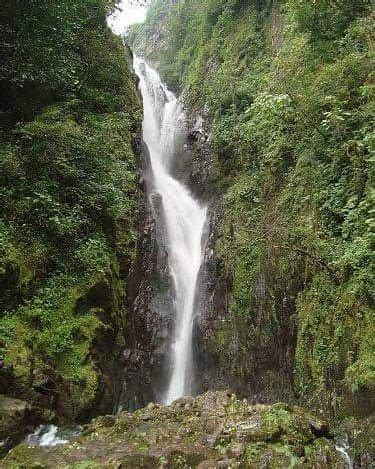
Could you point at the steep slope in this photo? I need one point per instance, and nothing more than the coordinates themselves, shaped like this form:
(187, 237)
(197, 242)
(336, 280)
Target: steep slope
(285, 95)
(70, 126)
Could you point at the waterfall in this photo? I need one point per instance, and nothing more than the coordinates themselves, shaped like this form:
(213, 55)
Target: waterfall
(45, 435)
(183, 216)
(342, 446)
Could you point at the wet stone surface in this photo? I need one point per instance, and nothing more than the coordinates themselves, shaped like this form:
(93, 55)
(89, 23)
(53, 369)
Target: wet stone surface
(210, 431)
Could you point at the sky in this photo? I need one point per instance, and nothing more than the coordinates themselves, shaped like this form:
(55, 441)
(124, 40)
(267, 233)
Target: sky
(129, 13)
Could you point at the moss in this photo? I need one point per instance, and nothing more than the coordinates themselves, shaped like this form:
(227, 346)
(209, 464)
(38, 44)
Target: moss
(321, 454)
(212, 427)
(24, 457)
(360, 434)
(70, 122)
(86, 465)
(287, 89)
(334, 340)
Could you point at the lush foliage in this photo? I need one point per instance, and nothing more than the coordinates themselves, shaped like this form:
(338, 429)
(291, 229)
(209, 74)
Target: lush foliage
(289, 91)
(70, 112)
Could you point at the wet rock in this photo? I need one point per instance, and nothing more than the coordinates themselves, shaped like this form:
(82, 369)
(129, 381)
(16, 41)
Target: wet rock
(236, 450)
(149, 306)
(319, 428)
(156, 452)
(104, 421)
(14, 416)
(207, 431)
(209, 440)
(225, 463)
(207, 465)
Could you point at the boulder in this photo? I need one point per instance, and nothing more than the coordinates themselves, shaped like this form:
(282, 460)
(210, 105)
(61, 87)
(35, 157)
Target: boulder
(13, 421)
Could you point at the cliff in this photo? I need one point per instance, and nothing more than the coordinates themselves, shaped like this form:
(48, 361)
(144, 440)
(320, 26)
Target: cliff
(69, 142)
(280, 99)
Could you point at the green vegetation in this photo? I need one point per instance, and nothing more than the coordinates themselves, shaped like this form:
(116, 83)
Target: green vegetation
(70, 114)
(289, 90)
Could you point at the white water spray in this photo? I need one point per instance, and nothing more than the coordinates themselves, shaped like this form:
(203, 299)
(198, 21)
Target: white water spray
(184, 217)
(45, 435)
(342, 446)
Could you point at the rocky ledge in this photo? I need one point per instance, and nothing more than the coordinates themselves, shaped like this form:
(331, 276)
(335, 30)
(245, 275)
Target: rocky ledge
(215, 430)
(15, 416)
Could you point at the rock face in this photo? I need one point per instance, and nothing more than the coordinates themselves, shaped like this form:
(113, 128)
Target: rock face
(150, 312)
(144, 363)
(14, 417)
(360, 440)
(262, 370)
(210, 431)
(149, 305)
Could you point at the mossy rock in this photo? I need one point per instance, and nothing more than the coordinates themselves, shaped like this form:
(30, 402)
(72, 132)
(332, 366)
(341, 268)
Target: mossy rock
(139, 461)
(322, 454)
(12, 415)
(14, 418)
(361, 435)
(212, 430)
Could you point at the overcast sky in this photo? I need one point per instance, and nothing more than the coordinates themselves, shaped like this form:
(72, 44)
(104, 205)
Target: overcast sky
(130, 12)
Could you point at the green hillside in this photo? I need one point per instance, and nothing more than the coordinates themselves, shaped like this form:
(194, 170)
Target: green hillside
(70, 119)
(289, 90)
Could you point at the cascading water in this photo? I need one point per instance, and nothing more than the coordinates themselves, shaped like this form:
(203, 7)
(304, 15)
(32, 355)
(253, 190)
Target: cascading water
(184, 218)
(50, 435)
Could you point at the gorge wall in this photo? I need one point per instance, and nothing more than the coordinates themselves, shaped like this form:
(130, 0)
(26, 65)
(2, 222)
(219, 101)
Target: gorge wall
(279, 104)
(69, 152)
(279, 96)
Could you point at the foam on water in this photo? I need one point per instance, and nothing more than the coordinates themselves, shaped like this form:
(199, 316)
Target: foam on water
(45, 435)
